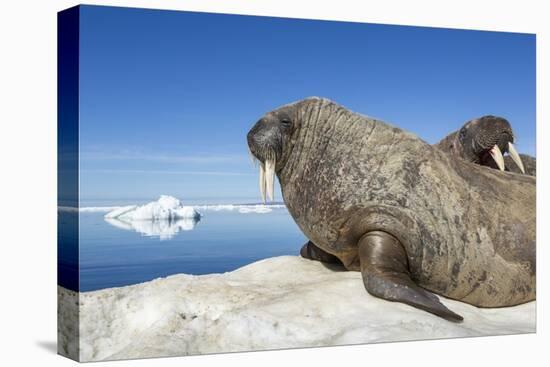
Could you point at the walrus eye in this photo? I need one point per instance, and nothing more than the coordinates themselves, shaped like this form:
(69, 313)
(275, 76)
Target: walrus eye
(286, 122)
(462, 135)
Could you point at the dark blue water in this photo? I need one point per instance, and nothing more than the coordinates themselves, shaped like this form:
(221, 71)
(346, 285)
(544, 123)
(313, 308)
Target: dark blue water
(119, 254)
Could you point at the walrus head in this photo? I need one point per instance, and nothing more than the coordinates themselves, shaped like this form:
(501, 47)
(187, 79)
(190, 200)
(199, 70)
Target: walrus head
(486, 139)
(269, 143)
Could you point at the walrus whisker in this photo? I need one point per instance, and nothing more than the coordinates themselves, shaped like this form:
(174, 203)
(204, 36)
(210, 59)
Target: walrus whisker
(252, 158)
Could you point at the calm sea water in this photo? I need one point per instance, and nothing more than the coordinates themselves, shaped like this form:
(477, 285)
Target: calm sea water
(114, 254)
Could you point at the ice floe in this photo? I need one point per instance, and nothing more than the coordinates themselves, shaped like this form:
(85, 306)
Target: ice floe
(163, 218)
(281, 302)
(165, 208)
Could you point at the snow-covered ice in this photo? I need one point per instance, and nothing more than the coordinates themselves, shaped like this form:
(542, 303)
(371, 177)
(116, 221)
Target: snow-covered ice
(281, 302)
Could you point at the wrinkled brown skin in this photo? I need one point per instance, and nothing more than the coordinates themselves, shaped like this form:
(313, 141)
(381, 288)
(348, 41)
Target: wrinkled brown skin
(529, 164)
(468, 232)
(454, 146)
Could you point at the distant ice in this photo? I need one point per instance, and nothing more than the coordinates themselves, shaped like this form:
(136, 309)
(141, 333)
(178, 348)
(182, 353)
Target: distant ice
(281, 302)
(98, 209)
(89, 209)
(255, 209)
(163, 218)
(242, 208)
(117, 211)
(165, 208)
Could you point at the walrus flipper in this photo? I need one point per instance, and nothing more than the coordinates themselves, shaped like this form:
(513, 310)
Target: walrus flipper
(312, 252)
(385, 271)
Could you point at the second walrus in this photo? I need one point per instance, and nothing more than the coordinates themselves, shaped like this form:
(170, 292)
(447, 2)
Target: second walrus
(484, 140)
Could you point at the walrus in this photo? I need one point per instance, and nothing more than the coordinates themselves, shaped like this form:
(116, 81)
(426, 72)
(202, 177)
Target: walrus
(414, 220)
(484, 141)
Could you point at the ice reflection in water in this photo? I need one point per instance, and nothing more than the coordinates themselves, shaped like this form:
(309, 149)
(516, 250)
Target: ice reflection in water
(165, 229)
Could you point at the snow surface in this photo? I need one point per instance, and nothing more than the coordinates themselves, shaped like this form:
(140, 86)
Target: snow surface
(281, 302)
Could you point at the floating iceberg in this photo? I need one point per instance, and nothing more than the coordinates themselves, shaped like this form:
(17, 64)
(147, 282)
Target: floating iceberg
(163, 218)
(165, 208)
(281, 302)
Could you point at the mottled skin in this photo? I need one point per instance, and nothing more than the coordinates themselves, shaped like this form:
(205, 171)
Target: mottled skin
(529, 163)
(409, 217)
(476, 137)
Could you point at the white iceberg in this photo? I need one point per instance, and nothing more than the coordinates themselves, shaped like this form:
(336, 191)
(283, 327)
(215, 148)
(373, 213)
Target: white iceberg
(282, 302)
(165, 208)
(163, 218)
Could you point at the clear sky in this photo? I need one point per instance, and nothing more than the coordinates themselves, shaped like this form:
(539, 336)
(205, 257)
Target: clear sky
(167, 98)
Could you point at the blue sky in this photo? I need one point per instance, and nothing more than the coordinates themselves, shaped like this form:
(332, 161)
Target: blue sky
(167, 98)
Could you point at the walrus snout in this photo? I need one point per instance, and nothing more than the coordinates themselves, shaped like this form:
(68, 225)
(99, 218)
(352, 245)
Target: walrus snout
(265, 142)
(487, 139)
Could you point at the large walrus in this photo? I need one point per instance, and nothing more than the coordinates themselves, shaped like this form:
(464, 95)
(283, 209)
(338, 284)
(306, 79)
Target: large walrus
(484, 141)
(409, 217)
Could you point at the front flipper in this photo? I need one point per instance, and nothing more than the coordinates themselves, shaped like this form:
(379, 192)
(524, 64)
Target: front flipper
(312, 252)
(385, 271)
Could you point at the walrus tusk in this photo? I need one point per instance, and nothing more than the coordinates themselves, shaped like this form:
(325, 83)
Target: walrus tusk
(262, 181)
(515, 157)
(497, 156)
(270, 177)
